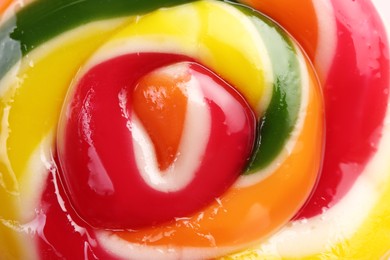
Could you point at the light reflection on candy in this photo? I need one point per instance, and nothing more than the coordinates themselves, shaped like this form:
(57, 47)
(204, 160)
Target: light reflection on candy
(258, 198)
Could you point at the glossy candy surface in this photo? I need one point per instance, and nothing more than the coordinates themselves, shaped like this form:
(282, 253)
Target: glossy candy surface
(176, 129)
(110, 177)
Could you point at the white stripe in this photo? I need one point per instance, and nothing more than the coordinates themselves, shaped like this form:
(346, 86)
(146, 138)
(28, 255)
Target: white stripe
(327, 37)
(126, 250)
(196, 133)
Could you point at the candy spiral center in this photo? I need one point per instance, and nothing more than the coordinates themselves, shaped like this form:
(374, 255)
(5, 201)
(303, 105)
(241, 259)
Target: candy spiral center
(145, 133)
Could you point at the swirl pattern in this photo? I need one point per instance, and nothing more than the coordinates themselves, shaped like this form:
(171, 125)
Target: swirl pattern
(193, 130)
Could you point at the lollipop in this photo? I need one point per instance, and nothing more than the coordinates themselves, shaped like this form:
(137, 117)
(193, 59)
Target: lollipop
(179, 129)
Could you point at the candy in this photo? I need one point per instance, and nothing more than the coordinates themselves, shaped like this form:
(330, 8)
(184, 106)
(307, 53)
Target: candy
(116, 181)
(195, 130)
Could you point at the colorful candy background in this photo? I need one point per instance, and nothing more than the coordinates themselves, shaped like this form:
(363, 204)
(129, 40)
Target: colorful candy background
(266, 143)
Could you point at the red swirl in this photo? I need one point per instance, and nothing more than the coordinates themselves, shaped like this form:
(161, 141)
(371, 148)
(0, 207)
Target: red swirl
(97, 147)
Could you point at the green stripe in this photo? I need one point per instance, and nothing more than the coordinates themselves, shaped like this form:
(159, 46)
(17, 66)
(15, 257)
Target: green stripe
(275, 127)
(45, 19)
(10, 51)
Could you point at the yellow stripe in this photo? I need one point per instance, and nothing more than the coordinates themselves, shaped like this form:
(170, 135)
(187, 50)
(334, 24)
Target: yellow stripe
(9, 248)
(34, 101)
(372, 239)
(199, 30)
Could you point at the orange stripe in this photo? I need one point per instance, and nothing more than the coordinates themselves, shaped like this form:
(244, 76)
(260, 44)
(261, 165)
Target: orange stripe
(4, 5)
(160, 104)
(248, 214)
(297, 17)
